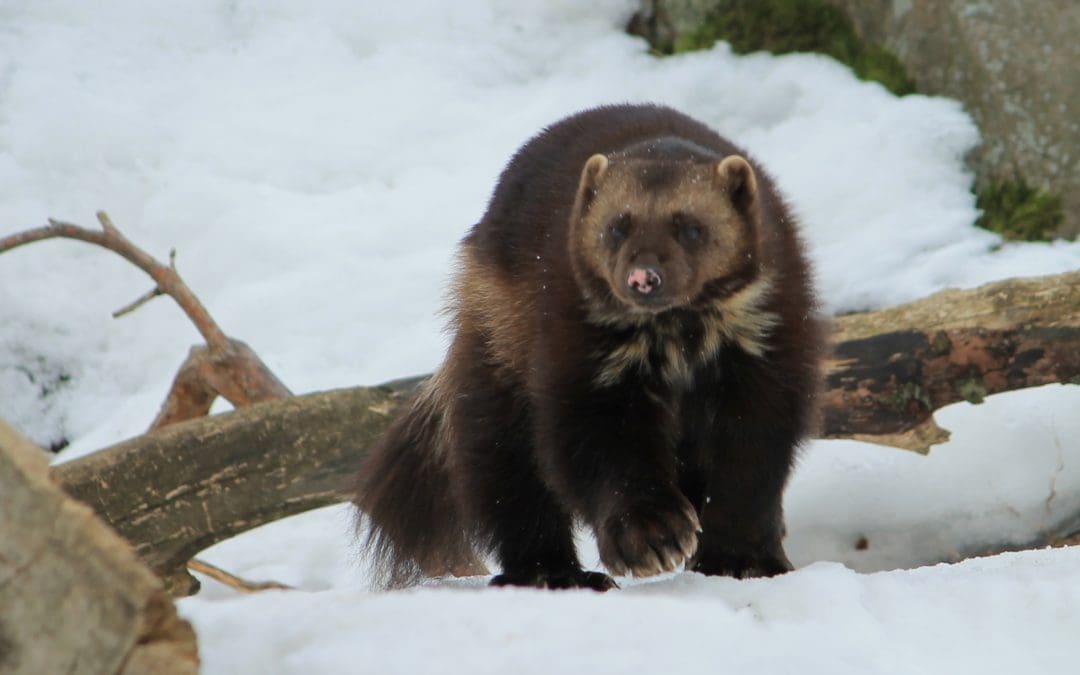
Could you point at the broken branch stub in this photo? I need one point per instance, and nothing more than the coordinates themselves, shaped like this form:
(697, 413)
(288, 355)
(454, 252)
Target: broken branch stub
(236, 373)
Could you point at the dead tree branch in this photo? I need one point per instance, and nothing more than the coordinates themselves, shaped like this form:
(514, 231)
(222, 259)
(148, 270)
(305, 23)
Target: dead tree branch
(166, 277)
(234, 582)
(224, 367)
(235, 372)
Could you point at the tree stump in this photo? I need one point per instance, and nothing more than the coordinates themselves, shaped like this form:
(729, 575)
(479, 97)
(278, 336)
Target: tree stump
(74, 597)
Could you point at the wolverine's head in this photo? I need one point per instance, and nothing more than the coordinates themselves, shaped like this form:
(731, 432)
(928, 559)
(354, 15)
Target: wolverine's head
(655, 234)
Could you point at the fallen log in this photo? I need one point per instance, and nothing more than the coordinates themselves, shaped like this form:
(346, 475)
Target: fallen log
(892, 368)
(177, 490)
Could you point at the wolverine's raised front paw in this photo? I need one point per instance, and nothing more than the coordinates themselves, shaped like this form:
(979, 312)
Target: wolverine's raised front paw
(597, 581)
(649, 537)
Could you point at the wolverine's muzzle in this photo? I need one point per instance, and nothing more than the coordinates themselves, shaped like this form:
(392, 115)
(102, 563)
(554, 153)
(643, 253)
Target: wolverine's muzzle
(644, 280)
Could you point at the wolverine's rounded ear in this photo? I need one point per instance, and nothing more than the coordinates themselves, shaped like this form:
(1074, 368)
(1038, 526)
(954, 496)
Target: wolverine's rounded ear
(735, 176)
(591, 175)
(593, 171)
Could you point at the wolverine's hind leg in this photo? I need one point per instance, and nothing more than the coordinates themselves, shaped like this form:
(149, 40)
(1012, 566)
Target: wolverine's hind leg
(515, 514)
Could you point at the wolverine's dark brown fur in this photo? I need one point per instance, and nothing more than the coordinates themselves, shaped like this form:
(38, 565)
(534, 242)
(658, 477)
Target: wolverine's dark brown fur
(635, 346)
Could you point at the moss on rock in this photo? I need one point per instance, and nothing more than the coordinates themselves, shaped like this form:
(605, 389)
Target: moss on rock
(1018, 211)
(785, 26)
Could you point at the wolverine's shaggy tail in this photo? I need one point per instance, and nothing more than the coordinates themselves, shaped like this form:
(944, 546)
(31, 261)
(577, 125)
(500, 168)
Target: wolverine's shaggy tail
(406, 502)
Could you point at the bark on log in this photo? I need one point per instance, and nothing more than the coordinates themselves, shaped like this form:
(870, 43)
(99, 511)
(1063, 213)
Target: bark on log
(74, 598)
(176, 491)
(891, 369)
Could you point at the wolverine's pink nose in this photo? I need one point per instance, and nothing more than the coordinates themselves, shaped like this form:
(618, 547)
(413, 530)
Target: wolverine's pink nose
(644, 280)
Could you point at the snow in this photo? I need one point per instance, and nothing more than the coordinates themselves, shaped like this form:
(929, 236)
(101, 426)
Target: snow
(314, 165)
(1010, 613)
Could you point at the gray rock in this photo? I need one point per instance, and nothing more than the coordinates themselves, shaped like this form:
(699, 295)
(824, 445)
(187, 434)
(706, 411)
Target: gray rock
(1015, 65)
(661, 22)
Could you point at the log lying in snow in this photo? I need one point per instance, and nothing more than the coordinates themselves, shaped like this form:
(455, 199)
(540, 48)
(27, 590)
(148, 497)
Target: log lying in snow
(178, 490)
(891, 369)
(73, 595)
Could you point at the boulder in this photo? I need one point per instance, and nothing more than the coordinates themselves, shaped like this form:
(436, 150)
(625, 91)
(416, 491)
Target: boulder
(1012, 63)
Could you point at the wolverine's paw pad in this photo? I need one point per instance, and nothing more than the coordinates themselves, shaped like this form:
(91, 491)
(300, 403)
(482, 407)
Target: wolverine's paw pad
(745, 566)
(596, 581)
(647, 539)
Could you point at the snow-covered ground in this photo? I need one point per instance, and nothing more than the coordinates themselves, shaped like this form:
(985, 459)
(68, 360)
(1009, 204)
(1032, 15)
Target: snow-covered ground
(314, 164)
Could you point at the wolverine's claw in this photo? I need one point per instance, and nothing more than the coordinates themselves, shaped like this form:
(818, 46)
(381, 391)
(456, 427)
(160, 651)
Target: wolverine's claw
(648, 538)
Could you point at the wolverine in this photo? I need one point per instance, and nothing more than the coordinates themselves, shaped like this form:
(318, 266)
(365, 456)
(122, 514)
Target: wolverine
(636, 348)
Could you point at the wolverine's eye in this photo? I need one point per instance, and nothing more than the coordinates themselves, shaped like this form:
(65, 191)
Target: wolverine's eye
(619, 229)
(687, 230)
